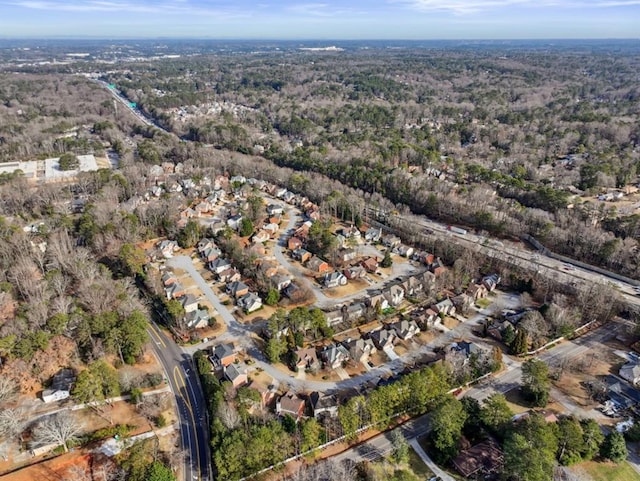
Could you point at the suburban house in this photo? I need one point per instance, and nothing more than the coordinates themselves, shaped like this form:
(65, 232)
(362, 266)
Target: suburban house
(347, 255)
(301, 255)
(250, 302)
(280, 281)
(378, 301)
(307, 359)
(274, 209)
(202, 207)
(462, 302)
(229, 275)
(167, 248)
(334, 355)
(290, 404)
(341, 241)
(405, 329)
(354, 272)
(445, 307)
(189, 303)
(219, 265)
(481, 461)
(210, 254)
(294, 243)
(437, 267)
(360, 349)
(237, 289)
(394, 295)
(412, 286)
(175, 291)
(317, 265)
(168, 278)
(370, 264)
(335, 279)
(350, 232)
(391, 240)
(236, 374)
(269, 269)
(323, 405)
(197, 319)
(234, 221)
(372, 234)
(294, 292)
(477, 291)
(491, 281)
(425, 317)
(630, 372)
(260, 237)
(60, 386)
(280, 191)
(188, 213)
(467, 348)
(383, 338)
(271, 228)
(222, 355)
(405, 251)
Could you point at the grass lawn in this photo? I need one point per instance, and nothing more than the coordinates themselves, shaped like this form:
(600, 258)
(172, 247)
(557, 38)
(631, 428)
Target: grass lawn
(418, 467)
(609, 471)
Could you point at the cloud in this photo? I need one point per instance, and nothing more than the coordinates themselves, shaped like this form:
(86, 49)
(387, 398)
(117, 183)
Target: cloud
(172, 7)
(462, 7)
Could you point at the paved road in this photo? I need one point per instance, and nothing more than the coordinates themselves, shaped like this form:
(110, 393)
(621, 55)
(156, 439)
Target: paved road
(184, 382)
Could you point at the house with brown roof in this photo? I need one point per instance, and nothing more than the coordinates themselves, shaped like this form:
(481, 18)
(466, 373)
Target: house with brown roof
(317, 265)
(360, 350)
(306, 359)
(477, 291)
(378, 301)
(261, 236)
(229, 275)
(394, 295)
(290, 404)
(481, 460)
(294, 243)
(405, 329)
(237, 289)
(347, 255)
(354, 272)
(370, 264)
(169, 278)
(383, 338)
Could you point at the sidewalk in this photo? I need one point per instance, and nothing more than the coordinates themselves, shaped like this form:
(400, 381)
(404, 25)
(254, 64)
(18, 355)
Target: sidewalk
(427, 460)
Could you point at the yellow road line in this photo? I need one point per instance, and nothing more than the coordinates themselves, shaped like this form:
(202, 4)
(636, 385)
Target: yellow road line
(157, 335)
(176, 371)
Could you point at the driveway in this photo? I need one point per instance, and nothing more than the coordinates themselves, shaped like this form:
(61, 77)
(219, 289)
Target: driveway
(391, 354)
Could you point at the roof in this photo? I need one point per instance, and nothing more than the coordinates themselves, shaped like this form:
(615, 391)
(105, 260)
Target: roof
(290, 402)
(223, 350)
(630, 371)
(63, 380)
(485, 456)
(232, 371)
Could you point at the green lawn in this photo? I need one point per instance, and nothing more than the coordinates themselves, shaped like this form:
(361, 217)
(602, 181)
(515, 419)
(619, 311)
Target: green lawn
(609, 471)
(418, 467)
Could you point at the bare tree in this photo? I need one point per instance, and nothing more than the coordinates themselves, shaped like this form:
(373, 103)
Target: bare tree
(11, 422)
(228, 415)
(8, 389)
(59, 428)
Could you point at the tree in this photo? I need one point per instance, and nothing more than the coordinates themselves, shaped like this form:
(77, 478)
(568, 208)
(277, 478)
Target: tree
(593, 438)
(386, 260)
(400, 448)
(273, 296)
(529, 451)
(159, 472)
(175, 311)
(97, 383)
(11, 423)
(8, 389)
(496, 413)
(614, 447)
(68, 162)
(520, 343)
(447, 422)
(310, 432)
(535, 382)
(246, 227)
(190, 234)
(509, 335)
(132, 336)
(60, 428)
(256, 207)
(132, 258)
(570, 441)
(275, 349)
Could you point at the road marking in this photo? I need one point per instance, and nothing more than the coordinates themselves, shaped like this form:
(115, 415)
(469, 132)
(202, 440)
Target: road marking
(177, 374)
(158, 336)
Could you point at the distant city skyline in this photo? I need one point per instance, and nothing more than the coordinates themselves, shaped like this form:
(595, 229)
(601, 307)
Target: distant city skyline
(328, 19)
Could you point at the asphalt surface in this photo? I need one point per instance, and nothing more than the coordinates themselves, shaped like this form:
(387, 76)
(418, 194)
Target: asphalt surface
(194, 426)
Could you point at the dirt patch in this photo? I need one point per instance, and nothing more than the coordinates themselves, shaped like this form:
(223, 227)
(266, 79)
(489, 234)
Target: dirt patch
(450, 322)
(352, 287)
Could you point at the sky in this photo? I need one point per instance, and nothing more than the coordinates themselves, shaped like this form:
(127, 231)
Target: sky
(322, 19)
